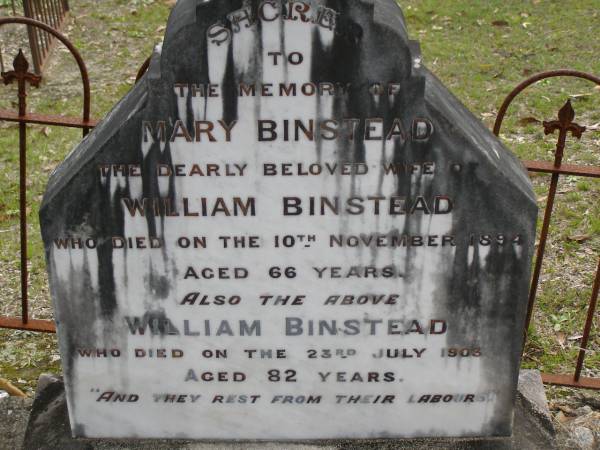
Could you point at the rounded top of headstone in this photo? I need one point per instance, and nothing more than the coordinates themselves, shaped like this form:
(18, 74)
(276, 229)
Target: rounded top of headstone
(370, 31)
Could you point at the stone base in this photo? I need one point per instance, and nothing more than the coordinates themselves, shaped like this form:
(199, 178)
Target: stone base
(49, 429)
(14, 412)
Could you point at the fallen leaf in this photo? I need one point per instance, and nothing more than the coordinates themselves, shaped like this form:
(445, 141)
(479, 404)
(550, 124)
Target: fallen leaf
(11, 388)
(46, 131)
(566, 410)
(500, 23)
(594, 127)
(575, 96)
(579, 238)
(561, 338)
(528, 120)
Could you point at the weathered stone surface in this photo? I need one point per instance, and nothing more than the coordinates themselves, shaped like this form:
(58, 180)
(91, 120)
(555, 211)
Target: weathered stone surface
(14, 413)
(48, 426)
(580, 428)
(48, 429)
(582, 438)
(297, 152)
(533, 397)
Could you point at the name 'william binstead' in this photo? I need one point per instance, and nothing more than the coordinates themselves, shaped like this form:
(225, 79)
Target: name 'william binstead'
(291, 206)
(292, 326)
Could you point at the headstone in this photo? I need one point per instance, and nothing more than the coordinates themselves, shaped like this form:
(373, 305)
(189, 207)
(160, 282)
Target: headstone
(289, 230)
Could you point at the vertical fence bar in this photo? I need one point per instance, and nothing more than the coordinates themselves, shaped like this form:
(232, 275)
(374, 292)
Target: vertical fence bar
(588, 325)
(55, 13)
(51, 16)
(539, 259)
(23, 223)
(56, 9)
(52, 9)
(50, 12)
(23, 214)
(47, 18)
(40, 7)
(42, 18)
(34, 40)
(42, 37)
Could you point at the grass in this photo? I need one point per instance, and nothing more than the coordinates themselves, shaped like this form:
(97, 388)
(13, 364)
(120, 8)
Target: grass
(480, 50)
(114, 37)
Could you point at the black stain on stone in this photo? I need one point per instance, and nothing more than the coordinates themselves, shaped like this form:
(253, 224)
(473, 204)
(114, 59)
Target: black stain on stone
(159, 285)
(229, 89)
(79, 429)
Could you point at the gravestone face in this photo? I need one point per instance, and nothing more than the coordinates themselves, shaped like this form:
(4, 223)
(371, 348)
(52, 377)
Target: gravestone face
(289, 229)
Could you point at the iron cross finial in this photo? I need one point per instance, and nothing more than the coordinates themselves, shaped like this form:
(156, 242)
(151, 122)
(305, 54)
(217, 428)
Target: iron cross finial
(21, 72)
(565, 123)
